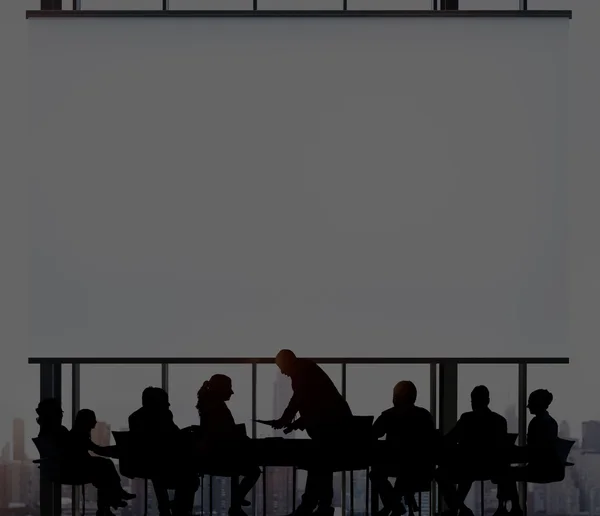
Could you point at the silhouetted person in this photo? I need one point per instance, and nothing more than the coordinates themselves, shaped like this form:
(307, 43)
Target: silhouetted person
(218, 430)
(411, 431)
(50, 417)
(323, 414)
(101, 471)
(474, 448)
(154, 420)
(540, 453)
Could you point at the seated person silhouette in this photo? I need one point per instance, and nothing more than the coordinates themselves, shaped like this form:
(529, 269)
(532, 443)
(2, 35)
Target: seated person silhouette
(474, 448)
(218, 430)
(154, 420)
(540, 453)
(102, 471)
(324, 414)
(411, 430)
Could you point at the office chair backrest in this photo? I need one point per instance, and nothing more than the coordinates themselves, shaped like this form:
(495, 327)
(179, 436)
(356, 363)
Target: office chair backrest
(46, 447)
(49, 463)
(563, 448)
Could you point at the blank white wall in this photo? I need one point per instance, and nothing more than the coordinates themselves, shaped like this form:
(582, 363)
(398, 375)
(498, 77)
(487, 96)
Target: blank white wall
(234, 186)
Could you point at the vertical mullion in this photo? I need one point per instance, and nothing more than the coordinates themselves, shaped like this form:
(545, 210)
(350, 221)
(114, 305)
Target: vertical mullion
(75, 404)
(254, 404)
(344, 391)
(433, 401)
(164, 376)
(522, 409)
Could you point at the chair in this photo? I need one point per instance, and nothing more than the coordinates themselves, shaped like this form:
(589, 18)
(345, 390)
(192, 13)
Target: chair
(563, 449)
(511, 440)
(135, 461)
(50, 468)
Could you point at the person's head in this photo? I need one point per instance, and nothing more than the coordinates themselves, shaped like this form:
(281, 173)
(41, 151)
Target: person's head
(155, 398)
(217, 389)
(285, 360)
(221, 387)
(148, 396)
(405, 394)
(480, 397)
(49, 412)
(161, 399)
(85, 420)
(539, 401)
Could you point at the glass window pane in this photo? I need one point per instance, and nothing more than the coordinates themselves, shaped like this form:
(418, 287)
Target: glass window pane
(210, 5)
(273, 394)
(582, 480)
(369, 390)
(502, 381)
(116, 5)
(113, 392)
(184, 383)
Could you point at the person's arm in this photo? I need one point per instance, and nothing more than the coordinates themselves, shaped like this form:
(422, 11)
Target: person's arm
(288, 414)
(103, 451)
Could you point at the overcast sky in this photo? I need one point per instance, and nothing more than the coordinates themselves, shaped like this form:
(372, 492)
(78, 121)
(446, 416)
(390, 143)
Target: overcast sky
(115, 393)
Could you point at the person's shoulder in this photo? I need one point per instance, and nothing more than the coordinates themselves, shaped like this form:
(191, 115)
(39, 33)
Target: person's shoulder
(467, 416)
(306, 363)
(388, 413)
(136, 414)
(499, 418)
(422, 411)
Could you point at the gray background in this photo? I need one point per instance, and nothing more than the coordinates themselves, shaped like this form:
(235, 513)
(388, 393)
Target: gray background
(574, 386)
(235, 186)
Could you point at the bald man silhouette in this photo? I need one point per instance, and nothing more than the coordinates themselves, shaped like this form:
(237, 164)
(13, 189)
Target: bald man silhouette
(323, 414)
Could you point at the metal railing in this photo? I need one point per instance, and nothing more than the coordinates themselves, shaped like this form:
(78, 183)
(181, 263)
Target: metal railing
(443, 381)
(435, 5)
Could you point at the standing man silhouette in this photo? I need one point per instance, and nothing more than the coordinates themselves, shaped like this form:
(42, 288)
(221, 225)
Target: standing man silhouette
(323, 414)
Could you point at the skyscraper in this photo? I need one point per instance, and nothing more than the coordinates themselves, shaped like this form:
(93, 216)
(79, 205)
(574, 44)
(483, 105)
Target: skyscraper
(590, 431)
(19, 440)
(564, 430)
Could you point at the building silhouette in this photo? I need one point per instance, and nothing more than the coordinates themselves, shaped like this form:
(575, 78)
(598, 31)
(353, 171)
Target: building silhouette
(19, 440)
(590, 434)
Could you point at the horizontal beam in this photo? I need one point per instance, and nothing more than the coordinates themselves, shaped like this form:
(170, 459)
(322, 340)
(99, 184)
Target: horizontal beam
(299, 14)
(321, 360)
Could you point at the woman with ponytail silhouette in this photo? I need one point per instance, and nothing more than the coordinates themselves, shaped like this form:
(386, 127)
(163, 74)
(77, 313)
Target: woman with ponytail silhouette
(218, 431)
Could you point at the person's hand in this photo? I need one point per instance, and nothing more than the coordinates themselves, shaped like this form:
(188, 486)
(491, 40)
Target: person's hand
(291, 427)
(278, 424)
